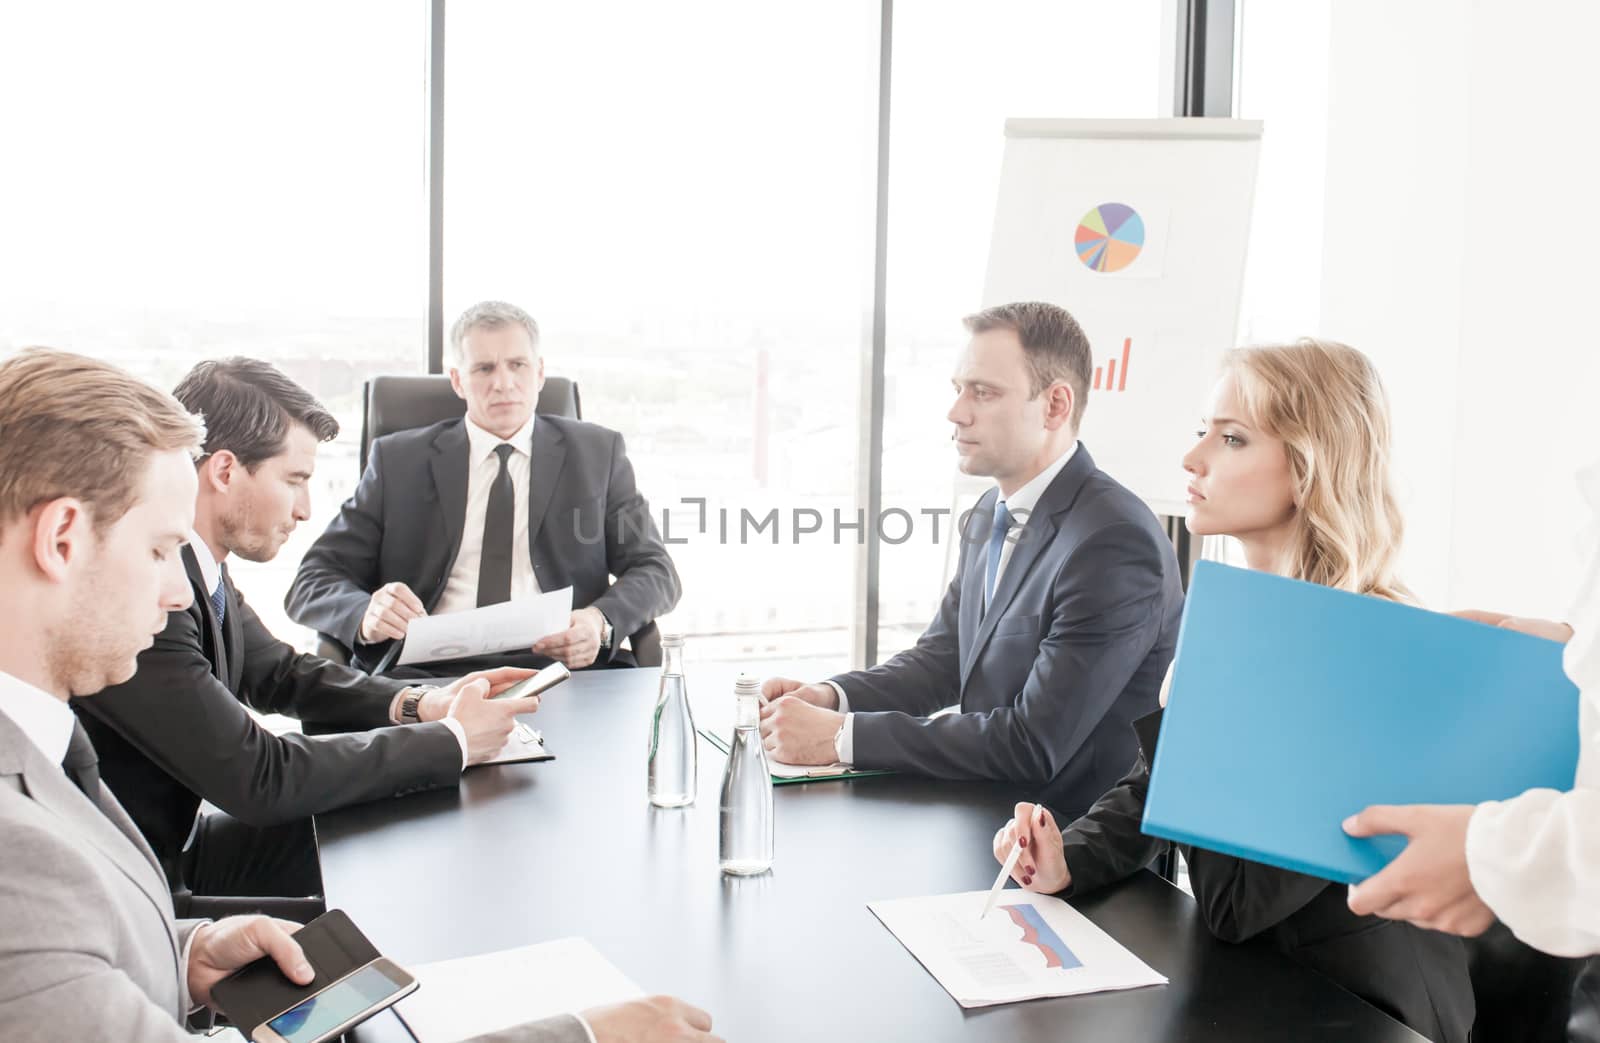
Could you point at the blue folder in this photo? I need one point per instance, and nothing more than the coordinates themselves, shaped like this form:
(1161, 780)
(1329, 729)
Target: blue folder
(1294, 705)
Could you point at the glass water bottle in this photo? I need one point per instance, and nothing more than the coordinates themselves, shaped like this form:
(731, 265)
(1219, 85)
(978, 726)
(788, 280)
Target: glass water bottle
(747, 789)
(672, 736)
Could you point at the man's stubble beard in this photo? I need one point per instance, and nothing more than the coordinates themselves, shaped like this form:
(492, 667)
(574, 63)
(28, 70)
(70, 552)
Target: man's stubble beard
(90, 650)
(237, 539)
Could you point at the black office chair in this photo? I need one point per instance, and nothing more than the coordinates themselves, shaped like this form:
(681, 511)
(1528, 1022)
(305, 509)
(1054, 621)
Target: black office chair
(399, 403)
(1526, 996)
(396, 403)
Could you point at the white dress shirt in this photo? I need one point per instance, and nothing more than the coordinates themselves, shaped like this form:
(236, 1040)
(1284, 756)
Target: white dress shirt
(483, 465)
(1535, 859)
(44, 719)
(1021, 504)
(210, 571)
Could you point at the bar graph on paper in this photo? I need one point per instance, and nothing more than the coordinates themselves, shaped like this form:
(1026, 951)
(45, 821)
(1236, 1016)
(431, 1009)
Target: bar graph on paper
(1115, 379)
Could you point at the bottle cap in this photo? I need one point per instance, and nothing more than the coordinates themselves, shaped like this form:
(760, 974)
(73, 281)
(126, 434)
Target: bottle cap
(745, 685)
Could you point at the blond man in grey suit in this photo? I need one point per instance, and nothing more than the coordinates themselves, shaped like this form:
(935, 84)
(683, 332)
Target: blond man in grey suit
(97, 492)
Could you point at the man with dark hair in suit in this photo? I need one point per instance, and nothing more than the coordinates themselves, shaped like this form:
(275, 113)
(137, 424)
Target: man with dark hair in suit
(1057, 629)
(178, 731)
(494, 507)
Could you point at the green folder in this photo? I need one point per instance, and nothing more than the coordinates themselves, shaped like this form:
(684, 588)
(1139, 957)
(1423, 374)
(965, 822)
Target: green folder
(821, 773)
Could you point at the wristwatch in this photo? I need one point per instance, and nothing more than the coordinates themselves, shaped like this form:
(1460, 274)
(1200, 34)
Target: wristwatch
(411, 703)
(605, 632)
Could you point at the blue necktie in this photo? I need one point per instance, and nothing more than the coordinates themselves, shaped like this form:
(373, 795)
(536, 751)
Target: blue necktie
(997, 539)
(219, 602)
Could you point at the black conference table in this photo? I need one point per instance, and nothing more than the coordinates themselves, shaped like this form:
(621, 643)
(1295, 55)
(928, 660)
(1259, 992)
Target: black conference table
(525, 853)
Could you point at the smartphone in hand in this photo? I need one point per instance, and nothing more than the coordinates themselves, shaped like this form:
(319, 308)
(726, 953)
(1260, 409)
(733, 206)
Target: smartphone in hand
(353, 982)
(347, 1002)
(538, 684)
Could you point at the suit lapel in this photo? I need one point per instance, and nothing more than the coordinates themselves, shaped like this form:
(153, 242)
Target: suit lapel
(974, 561)
(1039, 533)
(450, 465)
(208, 615)
(107, 830)
(544, 472)
(233, 634)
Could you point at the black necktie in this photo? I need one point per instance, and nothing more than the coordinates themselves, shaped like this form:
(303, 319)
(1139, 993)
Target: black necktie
(82, 765)
(494, 561)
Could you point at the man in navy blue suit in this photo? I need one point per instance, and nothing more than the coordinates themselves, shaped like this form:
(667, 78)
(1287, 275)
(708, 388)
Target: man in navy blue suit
(1058, 627)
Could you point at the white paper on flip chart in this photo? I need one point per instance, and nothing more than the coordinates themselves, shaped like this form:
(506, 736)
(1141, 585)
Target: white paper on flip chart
(508, 626)
(459, 999)
(1028, 947)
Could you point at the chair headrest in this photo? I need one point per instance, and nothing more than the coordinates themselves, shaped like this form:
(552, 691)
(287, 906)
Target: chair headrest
(399, 403)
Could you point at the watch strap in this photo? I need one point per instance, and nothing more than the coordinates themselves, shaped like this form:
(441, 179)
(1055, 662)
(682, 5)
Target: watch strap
(411, 703)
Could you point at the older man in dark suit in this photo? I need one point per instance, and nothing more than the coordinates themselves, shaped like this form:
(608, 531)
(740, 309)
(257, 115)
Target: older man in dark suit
(495, 507)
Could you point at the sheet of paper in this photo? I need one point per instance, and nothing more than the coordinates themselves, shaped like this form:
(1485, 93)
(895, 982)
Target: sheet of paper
(524, 743)
(520, 746)
(781, 770)
(459, 999)
(508, 626)
(1028, 947)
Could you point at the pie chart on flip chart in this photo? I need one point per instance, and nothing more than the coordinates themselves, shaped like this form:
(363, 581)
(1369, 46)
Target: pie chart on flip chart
(1110, 237)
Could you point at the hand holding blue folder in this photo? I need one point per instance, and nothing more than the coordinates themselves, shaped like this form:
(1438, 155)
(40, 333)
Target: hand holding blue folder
(1294, 706)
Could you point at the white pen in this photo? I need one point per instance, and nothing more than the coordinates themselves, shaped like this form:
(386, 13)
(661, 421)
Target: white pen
(1000, 881)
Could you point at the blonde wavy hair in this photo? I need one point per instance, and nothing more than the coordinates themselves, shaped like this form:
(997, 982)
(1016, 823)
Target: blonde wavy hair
(1325, 402)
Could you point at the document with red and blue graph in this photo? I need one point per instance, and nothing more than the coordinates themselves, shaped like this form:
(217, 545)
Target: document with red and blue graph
(1028, 947)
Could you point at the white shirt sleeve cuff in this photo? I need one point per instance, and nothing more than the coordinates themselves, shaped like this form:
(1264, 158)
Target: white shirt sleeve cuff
(189, 1004)
(461, 737)
(844, 744)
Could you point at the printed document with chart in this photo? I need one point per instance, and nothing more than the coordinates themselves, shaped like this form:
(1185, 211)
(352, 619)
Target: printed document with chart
(506, 627)
(1029, 946)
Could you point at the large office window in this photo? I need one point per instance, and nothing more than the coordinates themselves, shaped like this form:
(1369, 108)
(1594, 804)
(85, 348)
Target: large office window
(188, 180)
(960, 71)
(681, 195)
(1283, 81)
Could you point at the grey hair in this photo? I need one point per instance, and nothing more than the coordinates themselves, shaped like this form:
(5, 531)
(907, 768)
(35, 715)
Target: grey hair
(491, 315)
